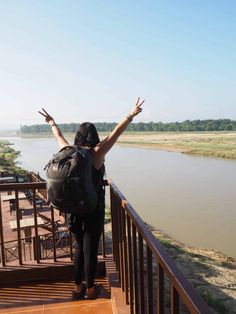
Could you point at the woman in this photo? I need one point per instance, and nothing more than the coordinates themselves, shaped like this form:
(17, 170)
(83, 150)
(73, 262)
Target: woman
(87, 229)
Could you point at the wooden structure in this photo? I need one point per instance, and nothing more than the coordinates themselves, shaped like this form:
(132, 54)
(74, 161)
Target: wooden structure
(149, 280)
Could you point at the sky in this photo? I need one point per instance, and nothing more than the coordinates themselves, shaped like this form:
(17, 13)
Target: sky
(89, 60)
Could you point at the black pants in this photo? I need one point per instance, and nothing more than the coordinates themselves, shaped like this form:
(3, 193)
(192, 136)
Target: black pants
(87, 230)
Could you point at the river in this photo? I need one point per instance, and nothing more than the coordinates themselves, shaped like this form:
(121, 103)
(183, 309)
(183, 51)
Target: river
(192, 199)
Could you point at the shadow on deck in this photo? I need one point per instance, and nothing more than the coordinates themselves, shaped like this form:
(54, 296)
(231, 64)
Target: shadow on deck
(52, 297)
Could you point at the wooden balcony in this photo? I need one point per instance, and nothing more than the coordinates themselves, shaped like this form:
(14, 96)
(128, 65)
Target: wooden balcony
(36, 273)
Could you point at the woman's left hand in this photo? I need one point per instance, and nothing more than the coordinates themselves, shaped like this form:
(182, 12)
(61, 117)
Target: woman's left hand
(137, 108)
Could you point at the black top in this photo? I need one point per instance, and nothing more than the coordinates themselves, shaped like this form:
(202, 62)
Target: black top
(98, 181)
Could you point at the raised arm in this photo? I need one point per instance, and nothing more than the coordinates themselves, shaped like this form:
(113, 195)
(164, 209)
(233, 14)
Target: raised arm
(105, 145)
(62, 142)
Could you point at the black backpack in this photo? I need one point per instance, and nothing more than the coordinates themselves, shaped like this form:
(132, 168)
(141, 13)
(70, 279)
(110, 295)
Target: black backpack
(70, 184)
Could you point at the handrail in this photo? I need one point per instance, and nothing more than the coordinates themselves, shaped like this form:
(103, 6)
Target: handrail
(132, 269)
(22, 186)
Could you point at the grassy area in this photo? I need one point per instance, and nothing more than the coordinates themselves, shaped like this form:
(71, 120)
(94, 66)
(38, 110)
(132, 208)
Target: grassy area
(212, 144)
(8, 156)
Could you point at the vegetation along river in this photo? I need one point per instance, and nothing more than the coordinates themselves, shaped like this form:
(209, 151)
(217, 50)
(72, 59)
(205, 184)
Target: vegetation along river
(192, 199)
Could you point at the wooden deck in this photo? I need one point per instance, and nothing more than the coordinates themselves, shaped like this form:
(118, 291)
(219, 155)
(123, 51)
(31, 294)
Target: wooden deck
(52, 297)
(46, 287)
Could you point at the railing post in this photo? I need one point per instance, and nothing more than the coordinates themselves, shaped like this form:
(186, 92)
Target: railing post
(160, 290)
(174, 303)
(131, 286)
(120, 240)
(103, 242)
(36, 243)
(53, 234)
(149, 281)
(136, 287)
(2, 236)
(125, 257)
(71, 245)
(113, 227)
(141, 273)
(18, 217)
(115, 232)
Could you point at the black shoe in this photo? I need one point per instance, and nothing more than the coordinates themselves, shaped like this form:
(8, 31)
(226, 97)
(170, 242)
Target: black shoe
(79, 295)
(92, 295)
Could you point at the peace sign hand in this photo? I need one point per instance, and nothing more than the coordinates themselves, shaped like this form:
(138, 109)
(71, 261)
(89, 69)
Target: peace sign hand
(137, 108)
(46, 115)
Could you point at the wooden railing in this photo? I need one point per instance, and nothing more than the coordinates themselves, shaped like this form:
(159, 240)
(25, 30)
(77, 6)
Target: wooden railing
(150, 280)
(53, 245)
(33, 177)
(34, 242)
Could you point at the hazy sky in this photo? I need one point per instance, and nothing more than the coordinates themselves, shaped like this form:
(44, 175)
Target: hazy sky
(90, 59)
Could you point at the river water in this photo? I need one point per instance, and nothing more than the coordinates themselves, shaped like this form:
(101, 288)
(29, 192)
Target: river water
(192, 199)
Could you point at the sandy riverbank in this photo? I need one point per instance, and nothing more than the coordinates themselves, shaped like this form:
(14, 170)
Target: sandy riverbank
(210, 272)
(212, 144)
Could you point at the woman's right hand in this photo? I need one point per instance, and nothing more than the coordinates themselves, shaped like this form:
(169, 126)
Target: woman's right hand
(137, 108)
(55, 130)
(47, 116)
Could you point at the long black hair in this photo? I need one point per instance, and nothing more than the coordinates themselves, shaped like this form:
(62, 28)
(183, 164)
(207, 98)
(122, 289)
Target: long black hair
(87, 135)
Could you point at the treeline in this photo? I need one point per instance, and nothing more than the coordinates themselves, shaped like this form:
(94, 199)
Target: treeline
(185, 126)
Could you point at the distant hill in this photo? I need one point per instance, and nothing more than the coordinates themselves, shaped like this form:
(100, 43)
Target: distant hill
(185, 126)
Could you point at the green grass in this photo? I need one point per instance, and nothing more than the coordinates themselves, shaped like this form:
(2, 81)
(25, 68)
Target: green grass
(167, 243)
(214, 303)
(8, 157)
(215, 144)
(227, 265)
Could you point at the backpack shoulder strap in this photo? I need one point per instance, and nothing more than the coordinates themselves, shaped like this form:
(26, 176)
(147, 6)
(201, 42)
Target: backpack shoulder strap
(69, 147)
